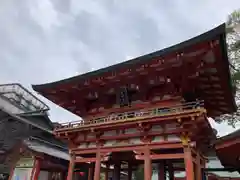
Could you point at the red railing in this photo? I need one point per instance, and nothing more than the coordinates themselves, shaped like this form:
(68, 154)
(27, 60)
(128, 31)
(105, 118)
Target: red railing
(135, 115)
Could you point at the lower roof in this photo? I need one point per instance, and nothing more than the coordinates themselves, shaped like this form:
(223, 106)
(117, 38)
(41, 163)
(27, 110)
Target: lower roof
(51, 150)
(228, 150)
(14, 129)
(231, 136)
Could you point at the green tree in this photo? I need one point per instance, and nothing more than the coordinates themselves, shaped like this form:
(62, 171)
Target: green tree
(139, 173)
(102, 176)
(233, 44)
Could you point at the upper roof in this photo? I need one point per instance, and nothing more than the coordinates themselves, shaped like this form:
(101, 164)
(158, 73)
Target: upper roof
(178, 48)
(22, 98)
(192, 48)
(14, 127)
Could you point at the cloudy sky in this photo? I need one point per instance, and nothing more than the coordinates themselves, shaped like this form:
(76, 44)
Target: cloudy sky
(47, 40)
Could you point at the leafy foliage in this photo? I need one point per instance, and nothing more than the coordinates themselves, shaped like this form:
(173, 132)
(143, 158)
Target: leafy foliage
(102, 176)
(139, 173)
(233, 42)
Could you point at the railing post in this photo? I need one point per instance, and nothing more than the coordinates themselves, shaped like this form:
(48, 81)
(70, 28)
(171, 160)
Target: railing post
(155, 111)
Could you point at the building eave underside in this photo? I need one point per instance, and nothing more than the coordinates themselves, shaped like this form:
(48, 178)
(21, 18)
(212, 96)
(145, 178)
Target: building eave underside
(226, 160)
(29, 93)
(218, 32)
(228, 165)
(10, 140)
(43, 117)
(46, 148)
(5, 114)
(228, 137)
(178, 47)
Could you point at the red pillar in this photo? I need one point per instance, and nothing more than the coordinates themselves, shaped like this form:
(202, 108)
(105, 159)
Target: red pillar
(36, 169)
(97, 166)
(11, 173)
(188, 160)
(71, 167)
(161, 171)
(147, 165)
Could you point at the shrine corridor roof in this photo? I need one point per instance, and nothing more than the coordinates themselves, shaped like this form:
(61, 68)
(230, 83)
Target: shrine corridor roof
(228, 150)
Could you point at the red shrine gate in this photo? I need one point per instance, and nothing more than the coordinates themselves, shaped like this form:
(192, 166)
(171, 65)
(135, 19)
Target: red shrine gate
(150, 110)
(150, 137)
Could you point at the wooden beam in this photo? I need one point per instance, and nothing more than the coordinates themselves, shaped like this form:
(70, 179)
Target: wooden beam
(36, 169)
(189, 168)
(161, 156)
(85, 160)
(71, 167)
(91, 171)
(11, 173)
(131, 147)
(15, 156)
(88, 160)
(219, 169)
(198, 167)
(147, 164)
(133, 135)
(227, 144)
(97, 166)
(132, 121)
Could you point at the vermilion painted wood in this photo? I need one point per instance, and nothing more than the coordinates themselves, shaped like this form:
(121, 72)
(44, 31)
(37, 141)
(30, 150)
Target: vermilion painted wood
(97, 166)
(151, 66)
(188, 160)
(36, 169)
(125, 148)
(198, 167)
(147, 164)
(161, 156)
(71, 168)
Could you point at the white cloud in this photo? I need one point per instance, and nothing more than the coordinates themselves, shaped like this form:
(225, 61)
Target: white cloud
(44, 14)
(48, 40)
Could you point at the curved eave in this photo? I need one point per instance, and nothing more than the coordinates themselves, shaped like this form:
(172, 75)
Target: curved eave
(212, 34)
(217, 33)
(229, 137)
(225, 59)
(6, 114)
(29, 93)
(229, 158)
(227, 149)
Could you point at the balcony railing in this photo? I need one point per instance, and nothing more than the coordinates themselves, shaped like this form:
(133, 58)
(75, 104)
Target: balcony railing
(136, 115)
